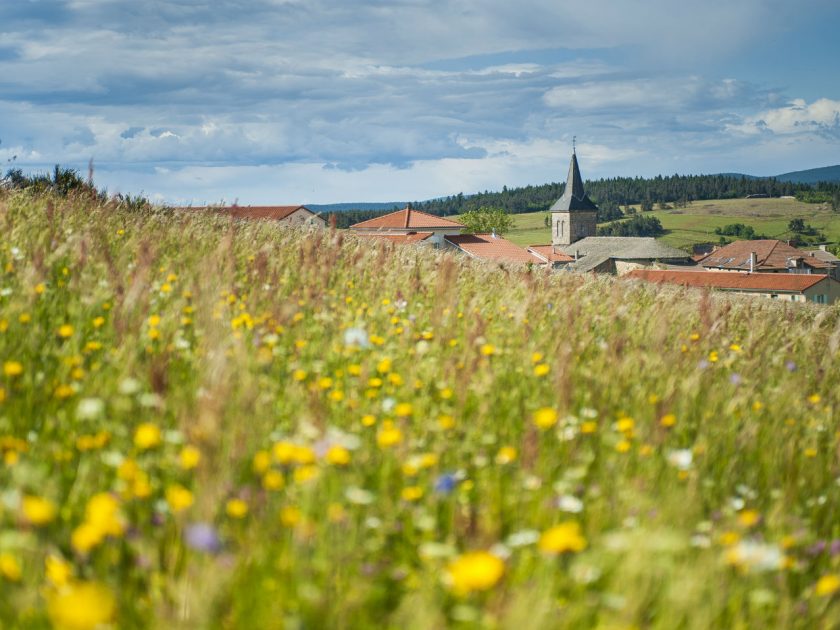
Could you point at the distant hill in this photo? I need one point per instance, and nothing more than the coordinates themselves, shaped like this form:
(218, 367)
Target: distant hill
(362, 205)
(812, 176)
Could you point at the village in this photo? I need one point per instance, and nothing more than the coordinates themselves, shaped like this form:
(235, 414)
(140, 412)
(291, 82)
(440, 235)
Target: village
(769, 268)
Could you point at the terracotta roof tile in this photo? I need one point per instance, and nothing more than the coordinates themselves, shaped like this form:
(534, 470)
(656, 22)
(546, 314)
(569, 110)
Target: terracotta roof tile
(404, 219)
(488, 247)
(770, 254)
(401, 239)
(550, 253)
(786, 282)
(276, 213)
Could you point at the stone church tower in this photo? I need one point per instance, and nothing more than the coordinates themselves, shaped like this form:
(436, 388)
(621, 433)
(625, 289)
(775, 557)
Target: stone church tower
(573, 215)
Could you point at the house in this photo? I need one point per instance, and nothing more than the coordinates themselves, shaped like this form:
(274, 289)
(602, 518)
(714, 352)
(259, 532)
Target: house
(620, 254)
(409, 221)
(283, 215)
(575, 246)
(766, 256)
(492, 247)
(550, 255)
(820, 289)
(829, 258)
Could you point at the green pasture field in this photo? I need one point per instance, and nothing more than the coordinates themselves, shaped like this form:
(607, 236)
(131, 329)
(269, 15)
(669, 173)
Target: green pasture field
(206, 424)
(696, 223)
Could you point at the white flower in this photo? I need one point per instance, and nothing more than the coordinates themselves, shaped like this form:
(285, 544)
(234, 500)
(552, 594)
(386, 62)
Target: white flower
(681, 458)
(90, 408)
(356, 337)
(756, 556)
(570, 503)
(523, 538)
(358, 496)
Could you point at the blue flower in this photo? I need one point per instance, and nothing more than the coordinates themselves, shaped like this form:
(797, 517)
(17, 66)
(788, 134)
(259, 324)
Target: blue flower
(445, 484)
(202, 537)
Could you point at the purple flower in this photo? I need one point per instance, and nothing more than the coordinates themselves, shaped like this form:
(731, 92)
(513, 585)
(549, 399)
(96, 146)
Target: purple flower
(791, 366)
(445, 484)
(202, 537)
(817, 548)
(735, 378)
(834, 549)
(703, 364)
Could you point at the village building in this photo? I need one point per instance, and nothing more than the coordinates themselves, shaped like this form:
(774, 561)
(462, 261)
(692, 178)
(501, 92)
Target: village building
(575, 247)
(409, 226)
(819, 289)
(765, 256)
(827, 257)
(291, 216)
(493, 248)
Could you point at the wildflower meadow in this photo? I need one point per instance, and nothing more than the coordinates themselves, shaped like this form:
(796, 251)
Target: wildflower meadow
(207, 424)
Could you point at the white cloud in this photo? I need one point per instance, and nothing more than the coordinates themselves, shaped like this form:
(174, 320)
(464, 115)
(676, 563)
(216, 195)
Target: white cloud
(822, 117)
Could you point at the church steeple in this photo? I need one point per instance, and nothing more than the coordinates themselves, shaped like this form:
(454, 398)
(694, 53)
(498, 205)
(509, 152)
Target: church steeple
(574, 215)
(574, 197)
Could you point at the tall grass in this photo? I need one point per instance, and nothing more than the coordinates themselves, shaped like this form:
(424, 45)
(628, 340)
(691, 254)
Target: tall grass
(209, 424)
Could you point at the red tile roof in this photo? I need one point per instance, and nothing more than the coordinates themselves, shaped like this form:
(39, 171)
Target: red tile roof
(784, 282)
(770, 254)
(401, 239)
(404, 219)
(550, 253)
(275, 213)
(488, 247)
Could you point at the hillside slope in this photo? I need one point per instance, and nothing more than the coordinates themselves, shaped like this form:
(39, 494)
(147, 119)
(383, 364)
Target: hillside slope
(206, 425)
(812, 176)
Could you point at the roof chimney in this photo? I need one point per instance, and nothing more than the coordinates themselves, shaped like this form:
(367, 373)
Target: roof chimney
(753, 262)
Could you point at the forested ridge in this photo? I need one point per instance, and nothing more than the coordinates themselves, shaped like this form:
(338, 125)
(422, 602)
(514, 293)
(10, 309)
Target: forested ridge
(614, 194)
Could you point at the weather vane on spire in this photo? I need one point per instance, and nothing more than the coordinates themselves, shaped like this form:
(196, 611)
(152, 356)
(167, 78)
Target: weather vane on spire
(574, 142)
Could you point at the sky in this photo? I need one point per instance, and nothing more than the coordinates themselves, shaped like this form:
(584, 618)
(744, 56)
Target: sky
(326, 101)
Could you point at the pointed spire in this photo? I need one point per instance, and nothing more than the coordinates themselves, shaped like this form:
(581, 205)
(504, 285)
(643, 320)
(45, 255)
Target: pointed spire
(574, 196)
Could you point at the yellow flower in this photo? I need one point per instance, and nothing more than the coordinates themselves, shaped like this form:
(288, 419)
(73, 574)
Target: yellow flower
(541, 369)
(85, 537)
(403, 410)
(299, 375)
(147, 436)
(189, 457)
(273, 480)
(305, 473)
(154, 320)
(103, 512)
(506, 455)
(412, 493)
(338, 456)
(488, 349)
(12, 368)
(98, 322)
(446, 422)
(289, 516)
(588, 427)
(80, 606)
(40, 288)
(668, 420)
(236, 508)
(545, 418)
(474, 571)
(623, 446)
(749, 518)
(713, 356)
(562, 538)
(625, 425)
(814, 399)
(178, 498)
(261, 462)
(9, 567)
(64, 391)
(58, 570)
(368, 420)
(388, 435)
(827, 585)
(37, 510)
(384, 366)
(65, 331)
(2, 394)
